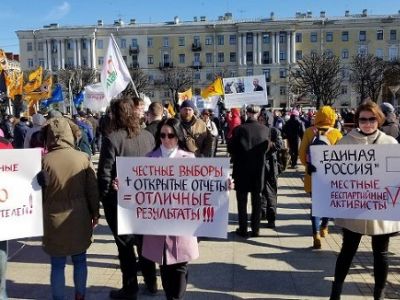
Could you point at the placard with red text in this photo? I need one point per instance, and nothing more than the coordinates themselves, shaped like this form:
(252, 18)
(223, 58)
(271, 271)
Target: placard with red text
(356, 181)
(173, 196)
(20, 195)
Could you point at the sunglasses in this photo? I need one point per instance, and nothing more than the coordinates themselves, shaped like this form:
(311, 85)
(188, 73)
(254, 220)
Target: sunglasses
(169, 135)
(367, 120)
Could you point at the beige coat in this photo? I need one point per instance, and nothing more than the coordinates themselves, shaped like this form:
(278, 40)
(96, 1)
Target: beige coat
(369, 227)
(70, 200)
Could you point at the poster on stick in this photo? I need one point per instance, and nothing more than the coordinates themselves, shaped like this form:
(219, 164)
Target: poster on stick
(173, 196)
(20, 195)
(356, 182)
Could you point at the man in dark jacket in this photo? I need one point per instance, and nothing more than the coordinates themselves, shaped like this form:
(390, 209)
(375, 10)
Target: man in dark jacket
(391, 124)
(248, 147)
(126, 138)
(293, 131)
(154, 117)
(20, 130)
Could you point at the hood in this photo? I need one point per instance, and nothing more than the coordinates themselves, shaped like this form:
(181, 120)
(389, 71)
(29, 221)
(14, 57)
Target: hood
(390, 118)
(325, 116)
(38, 120)
(58, 134)
(235, 112)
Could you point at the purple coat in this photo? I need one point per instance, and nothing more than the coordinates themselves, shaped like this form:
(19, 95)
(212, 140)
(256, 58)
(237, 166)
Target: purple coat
(178, 249)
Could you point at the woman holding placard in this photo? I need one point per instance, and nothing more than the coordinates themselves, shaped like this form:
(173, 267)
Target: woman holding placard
(172, 252)
(368, 117)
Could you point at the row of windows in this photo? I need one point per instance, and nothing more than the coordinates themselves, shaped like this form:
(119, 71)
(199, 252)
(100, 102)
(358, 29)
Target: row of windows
(362, 36)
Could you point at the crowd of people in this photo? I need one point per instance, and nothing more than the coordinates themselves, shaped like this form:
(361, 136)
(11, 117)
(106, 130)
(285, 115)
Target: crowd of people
(261, 144)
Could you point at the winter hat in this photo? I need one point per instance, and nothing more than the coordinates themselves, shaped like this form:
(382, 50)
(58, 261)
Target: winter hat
(295, 113)
(253, 109)
(188, 103)
(38, 119)
(387, 108)
(54, 113)
(325, 116)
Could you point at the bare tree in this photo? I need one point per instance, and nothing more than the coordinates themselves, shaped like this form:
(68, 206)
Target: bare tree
(318, 75)
(76, 79)
(141, 80)
(176, 80)
(391, 81)
(367, 75)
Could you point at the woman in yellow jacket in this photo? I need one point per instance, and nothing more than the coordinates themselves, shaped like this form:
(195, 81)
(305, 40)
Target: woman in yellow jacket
(323, 123)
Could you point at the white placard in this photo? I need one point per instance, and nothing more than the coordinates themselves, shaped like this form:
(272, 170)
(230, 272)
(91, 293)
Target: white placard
(247, 90)
(20, 195)
(173, 196)
(356, 181)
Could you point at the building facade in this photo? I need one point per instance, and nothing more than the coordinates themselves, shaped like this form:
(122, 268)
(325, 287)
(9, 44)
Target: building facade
(222, 47)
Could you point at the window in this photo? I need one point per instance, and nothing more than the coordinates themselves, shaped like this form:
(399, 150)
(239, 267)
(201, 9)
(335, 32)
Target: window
(329, 53)
(209, 58)
(41, 62)
(345, 54)
(84, 61)
(197, 57)
(363, 50)
(150, 42)
(150, 60)
(329, 37)
(379, 53)
(30, 63)
(267, 74)
(282, 37)
(299, 55)
(249, 57)
(209, 76)
(362, 36)
(166, 93)
(282, 55)
(84, 44)
(299, 37)
(220, 40)
(196, 41)
(313, 37)
(282, 90)
(268, 91)
(344, 73)
(196, 76)
(166, 58)
(249, 38)
(379, 34)
(29, 46)
(232, 39)
(266, 38)
(181, 41)
(282, 73)
(393, 35)
(134, 43)
(209, 40)
(221, 57)
(165, 41)
(232, 74)
(123, 43)
(343, 90)
(393, 53)
(99, 44)
(181, 58)
(313, 52)
(265, 56)
(100, 61)
(345, 36)
(40, 46)
(125, 58)
(232, 57)
(249, 72)
(70, 44)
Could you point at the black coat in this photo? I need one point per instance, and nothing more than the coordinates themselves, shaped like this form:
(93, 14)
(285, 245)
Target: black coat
(248, 148)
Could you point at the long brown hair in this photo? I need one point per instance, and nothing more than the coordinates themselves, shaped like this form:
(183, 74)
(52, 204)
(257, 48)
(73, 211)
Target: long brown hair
(124, 116)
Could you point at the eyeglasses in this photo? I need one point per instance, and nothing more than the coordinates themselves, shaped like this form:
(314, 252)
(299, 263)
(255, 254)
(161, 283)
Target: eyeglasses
(367, 120)
(169, 135)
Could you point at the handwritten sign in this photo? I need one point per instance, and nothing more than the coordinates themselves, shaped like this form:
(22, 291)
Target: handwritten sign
(173, 196)
(20, 194)
(356, 181)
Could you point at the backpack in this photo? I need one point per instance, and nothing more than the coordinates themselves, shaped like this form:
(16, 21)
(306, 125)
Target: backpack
(320, 138)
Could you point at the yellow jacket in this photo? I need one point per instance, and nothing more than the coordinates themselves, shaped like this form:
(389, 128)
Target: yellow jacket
(325, 118)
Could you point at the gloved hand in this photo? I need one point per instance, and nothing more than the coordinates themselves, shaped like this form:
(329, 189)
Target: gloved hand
(311, 168)
(43, 178)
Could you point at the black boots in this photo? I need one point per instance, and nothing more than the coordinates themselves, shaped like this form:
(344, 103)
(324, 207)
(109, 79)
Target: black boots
(336, 291)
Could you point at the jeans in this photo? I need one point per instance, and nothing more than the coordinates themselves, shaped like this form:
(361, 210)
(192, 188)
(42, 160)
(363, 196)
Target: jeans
(317, 223)
(57, 277)
(3, 267)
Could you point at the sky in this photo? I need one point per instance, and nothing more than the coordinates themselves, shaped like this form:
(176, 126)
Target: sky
(23, 14)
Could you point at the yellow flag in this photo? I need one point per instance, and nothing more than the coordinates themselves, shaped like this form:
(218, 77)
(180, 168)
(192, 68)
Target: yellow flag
(35, 81)
(214, 89)
(171, 109)
(14, 82)
(35, 97)
(3, 61)
(186, 95)
(46, 86)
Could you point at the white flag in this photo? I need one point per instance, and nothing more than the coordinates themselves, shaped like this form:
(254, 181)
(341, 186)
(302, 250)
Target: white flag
(94, 97)
(115, 74)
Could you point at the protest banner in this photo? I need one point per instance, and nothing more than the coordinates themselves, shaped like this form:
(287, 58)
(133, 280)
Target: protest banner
(94, 97)
(173, 196)
(356, 182)
(20, 195)
(247, 90)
